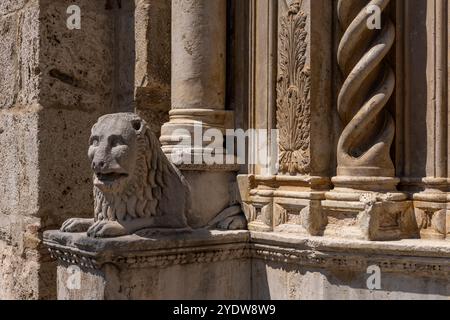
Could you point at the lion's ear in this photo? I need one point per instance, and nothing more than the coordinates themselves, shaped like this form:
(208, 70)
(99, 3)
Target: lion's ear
(138, 125)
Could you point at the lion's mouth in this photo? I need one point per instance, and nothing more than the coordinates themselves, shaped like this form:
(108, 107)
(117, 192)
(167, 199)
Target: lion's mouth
(110, 177)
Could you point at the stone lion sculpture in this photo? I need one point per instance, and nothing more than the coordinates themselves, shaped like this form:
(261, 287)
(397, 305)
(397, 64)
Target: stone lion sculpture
(135, 186)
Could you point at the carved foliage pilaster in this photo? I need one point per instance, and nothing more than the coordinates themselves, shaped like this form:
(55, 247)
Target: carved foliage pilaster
(293, 93)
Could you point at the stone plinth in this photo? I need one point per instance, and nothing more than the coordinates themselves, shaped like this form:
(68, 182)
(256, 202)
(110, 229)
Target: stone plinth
(197, 265)
(248, 265)
(285, 266)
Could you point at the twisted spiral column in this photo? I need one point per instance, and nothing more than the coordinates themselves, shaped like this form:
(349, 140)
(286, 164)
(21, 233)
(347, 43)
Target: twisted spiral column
(364, 146)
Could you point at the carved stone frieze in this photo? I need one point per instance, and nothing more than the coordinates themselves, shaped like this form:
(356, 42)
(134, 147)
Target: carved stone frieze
(411, 256)
(68, 257)
(335, 260)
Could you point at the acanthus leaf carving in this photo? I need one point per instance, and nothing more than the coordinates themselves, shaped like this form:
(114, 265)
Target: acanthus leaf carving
(293, 93)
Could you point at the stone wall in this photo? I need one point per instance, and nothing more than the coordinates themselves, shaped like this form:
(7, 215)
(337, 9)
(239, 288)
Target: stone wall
(56, 83)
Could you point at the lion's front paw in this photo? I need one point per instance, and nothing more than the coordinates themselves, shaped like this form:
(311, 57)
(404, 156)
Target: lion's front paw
(233, 223)
(76, 225)
(106, 229)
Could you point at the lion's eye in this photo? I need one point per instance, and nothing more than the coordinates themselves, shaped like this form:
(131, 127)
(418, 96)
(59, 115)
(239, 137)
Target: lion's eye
(94, 141)
(116, 141)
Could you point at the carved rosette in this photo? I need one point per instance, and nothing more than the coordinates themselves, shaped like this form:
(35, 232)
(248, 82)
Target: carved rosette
(365, 144)
(293, 92)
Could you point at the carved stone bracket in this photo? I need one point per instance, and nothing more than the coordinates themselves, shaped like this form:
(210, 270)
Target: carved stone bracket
(432, 211)
(259, 216)
(385, 220)
(432, 223)
(375, 217)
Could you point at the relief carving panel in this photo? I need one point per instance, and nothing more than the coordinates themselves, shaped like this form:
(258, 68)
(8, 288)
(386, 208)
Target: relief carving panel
(293, 91)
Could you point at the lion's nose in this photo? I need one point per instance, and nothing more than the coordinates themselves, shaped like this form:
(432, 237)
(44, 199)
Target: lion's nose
(98, 165)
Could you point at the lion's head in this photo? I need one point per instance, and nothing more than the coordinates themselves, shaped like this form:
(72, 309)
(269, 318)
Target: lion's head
(128, 168)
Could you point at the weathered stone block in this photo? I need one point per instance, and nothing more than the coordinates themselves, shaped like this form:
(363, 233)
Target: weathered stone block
(18, 54)
(198, 265)
(9, 6)
(18, 163)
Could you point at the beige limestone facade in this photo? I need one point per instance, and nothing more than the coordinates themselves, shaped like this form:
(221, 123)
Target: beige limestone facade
(356, 179)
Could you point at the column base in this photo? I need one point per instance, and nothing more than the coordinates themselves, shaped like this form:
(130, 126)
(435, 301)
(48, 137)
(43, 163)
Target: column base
(432, 209)
(350, 188)
(186, 126)
(286, 204)
(369, 208)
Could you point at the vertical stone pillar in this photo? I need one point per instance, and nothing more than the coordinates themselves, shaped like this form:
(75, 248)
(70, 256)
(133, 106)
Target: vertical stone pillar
(198, 103)
(369, 83)
(152, 76)
(431, 205)
(291, 91)
(365, 178)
